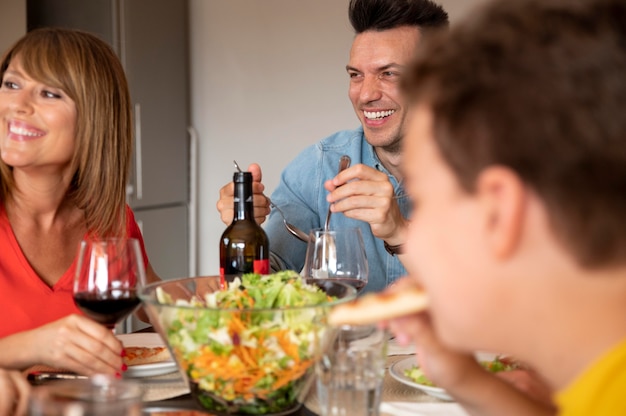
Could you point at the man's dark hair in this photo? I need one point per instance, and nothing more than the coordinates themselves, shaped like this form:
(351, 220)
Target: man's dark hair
(389, 14)
(539, 87)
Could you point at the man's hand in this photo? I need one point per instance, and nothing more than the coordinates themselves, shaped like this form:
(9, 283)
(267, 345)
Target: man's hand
(364, 193)
(225, 205)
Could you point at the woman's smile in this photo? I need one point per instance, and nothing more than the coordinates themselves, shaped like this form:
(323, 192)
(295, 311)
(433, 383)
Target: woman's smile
(21, 131)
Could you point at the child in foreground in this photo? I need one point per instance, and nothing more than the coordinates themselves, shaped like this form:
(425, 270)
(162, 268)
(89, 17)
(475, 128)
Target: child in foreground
(515, 159)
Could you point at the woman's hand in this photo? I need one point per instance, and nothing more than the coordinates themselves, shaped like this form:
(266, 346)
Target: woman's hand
(73, 343)
(14, 393)
(81, 345)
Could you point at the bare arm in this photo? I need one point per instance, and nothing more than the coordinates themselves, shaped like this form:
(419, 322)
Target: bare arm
(15, 391)
(74, 343)
(486, 394)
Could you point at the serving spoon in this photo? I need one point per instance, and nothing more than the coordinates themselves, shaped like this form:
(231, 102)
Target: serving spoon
(295, 231)
(344, 162)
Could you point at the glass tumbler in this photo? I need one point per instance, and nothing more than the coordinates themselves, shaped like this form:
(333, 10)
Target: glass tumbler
(351, 370)
(99, 395)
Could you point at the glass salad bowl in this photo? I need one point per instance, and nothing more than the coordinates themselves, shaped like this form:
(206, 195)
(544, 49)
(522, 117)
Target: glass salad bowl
(246, 347)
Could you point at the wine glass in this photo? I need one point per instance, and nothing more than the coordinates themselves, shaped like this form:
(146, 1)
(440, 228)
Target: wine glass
(108, 274)
(337, 254)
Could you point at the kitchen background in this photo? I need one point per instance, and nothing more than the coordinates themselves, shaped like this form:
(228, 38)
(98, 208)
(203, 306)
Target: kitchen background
(213, 81)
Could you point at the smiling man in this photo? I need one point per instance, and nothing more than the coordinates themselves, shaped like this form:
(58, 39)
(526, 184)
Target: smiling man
(370, 193)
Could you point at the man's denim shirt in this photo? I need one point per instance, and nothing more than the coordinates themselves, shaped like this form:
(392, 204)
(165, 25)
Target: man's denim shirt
(302, 197)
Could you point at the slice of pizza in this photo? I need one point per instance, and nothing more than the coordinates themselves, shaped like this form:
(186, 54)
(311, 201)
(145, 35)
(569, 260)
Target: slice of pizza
(374, 307)
(146, 355)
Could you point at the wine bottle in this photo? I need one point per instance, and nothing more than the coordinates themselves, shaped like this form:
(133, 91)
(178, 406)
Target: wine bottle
(244, 246)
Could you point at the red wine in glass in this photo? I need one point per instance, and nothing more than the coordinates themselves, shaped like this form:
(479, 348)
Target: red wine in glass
(358, 284)
(107, 308)
(339, 255)
(108, 274)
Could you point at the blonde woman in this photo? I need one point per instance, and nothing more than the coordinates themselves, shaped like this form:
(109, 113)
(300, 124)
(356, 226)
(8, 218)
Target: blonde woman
(65, 146)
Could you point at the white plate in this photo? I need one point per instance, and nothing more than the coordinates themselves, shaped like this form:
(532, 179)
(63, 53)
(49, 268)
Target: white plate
(397, 372)
(398, 368)
(146, 340)
(422, 409)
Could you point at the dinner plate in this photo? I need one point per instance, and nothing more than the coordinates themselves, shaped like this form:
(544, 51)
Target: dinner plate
(147, 339)
(397, 370)
(422, 409)
(171, 411)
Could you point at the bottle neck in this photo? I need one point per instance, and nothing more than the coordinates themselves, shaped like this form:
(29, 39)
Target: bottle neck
(244, 205)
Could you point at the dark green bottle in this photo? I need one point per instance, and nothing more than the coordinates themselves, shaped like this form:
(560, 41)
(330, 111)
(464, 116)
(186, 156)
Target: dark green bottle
(244, 246)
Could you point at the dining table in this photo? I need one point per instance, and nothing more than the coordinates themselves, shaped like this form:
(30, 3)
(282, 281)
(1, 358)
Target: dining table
(168, 393)
(177, 397)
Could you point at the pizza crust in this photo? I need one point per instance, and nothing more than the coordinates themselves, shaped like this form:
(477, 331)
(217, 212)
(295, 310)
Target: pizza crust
(146, 355)
(374, 307)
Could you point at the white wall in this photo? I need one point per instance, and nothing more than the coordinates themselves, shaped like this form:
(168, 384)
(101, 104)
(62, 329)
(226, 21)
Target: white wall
(267, 79)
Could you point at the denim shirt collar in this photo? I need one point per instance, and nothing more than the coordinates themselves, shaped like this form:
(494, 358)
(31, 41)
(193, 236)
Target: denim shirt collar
(371, 158)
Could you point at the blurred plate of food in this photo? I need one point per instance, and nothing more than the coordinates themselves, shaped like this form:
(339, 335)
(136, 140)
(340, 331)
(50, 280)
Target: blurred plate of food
(407, 372)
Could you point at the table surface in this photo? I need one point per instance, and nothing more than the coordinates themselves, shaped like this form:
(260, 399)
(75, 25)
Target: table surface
(186, 402)
(393, 390)
(169, 392)
(177, 398)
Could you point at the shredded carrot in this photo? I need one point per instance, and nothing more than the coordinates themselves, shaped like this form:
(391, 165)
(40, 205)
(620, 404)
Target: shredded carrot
(240, 375)
(293, 373)
(235, 324)
(287, 346)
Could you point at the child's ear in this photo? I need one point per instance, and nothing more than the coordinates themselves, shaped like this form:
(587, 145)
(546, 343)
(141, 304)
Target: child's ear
(502, 194)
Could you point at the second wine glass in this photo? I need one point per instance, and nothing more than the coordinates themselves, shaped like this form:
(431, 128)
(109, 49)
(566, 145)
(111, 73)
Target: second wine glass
(337, 254)
(108, 274)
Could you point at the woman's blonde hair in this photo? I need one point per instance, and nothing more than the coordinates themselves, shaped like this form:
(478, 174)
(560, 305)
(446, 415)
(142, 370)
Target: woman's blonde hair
(88, 71)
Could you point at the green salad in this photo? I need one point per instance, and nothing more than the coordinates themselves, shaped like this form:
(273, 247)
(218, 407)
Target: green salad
(498, 364)
(247, 347)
